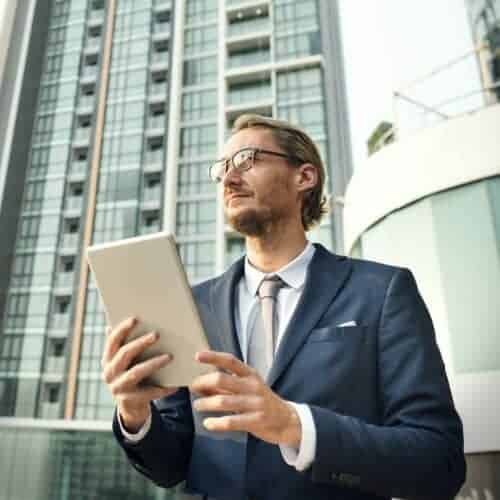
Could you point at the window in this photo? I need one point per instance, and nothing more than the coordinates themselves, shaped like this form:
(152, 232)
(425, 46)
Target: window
(198, 141)
(198, 39)
(193, 178)
(198, 11)
(196, 218)
(198, 259)
(200, 71)
(199, 105)
(300, 84)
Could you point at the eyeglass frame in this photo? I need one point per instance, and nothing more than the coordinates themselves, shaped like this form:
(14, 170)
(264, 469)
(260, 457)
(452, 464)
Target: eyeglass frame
(250, 161)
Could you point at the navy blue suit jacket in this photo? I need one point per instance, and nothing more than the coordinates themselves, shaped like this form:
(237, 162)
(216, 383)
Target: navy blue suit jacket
(378, 392)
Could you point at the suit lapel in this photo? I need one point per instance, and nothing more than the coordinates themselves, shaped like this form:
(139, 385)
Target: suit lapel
(223, 305)
(325, 277)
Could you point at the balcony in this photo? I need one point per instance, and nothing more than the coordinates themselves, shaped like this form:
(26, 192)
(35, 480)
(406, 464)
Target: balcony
(249, 58)
(78, 170)
(248, 93)
(161, 31)
(153, 161)
(81, 136)
(151, 198)
(55, 365)
(155, 125)
(89, 73)
(162, 5)
(73, 204)
(64, 281)
(93, 45)
(69, 243)
(96, 17)
(159, 60)
(158, 92)
(249, 27)
(85, 104)
(60, 321)
(49, 410)
(153, 228)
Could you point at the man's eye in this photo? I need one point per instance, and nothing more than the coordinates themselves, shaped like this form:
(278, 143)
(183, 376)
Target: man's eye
(242, 157)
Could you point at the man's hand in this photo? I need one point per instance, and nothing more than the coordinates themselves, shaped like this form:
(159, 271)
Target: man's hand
(124, 382)
(241, 391)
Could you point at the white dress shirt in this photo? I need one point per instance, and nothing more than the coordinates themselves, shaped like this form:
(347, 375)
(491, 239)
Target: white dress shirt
(294, 275)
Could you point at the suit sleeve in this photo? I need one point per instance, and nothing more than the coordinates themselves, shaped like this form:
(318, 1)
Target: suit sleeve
(164, 453)
(417, 450)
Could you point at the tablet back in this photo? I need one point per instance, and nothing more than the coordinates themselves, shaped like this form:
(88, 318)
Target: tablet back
(144, 277)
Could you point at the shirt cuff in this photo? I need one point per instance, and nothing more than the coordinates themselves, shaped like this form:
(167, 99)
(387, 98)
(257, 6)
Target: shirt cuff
(139, 435)
(302, 458)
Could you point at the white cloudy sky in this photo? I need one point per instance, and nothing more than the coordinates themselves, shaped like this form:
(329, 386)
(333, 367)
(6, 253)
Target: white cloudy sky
(388, 43)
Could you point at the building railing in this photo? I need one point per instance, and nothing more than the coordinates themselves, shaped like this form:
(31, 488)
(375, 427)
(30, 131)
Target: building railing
(158, 88)
(249, 59)
(428, 99)
(152, 194)
(154, 156)
(74, 203)
(89, 71)
(96, 15)
(255, 25)
(161, 28)
(86, 101)
(55, 364)
(60, 320)
(78, 167)
(160, 57)
(249, 94)
(69, 240)
(64, 280)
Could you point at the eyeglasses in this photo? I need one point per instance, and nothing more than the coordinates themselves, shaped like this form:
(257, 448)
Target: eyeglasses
(241, 161)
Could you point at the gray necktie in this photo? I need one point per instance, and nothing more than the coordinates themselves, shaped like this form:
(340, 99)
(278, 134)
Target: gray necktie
(263, 331)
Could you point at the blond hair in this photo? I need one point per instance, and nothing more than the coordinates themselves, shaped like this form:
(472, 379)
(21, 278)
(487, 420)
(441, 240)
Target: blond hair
(300, 147)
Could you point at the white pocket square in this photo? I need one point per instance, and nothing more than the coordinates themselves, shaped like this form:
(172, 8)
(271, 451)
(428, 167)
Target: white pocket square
(347, 323)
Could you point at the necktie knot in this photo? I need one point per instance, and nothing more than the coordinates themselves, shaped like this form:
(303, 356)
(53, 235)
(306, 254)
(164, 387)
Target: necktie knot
(270, 286)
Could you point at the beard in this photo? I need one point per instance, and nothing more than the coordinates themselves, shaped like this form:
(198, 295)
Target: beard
(250, 223)
(255, 223)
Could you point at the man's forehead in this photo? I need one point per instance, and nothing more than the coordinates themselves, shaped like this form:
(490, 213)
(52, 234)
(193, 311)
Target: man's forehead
(250, 137)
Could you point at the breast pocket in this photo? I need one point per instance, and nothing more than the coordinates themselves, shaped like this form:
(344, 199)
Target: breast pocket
(336, 334)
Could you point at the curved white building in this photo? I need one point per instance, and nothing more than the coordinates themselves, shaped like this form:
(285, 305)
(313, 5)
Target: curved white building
(431, 202)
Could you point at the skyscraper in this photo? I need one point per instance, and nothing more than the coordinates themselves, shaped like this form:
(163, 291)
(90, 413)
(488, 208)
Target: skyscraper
(115, 110)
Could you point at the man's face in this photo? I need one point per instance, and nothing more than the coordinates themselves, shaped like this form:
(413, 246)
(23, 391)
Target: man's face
(258, 199)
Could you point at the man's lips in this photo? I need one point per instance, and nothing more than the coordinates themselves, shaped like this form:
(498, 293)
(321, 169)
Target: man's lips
(233, 196)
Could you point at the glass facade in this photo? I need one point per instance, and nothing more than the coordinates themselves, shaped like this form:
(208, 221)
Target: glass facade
(67, 464)
(463, 256)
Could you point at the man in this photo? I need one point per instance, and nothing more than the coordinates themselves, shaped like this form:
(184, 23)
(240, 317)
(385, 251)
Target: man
(329, 383)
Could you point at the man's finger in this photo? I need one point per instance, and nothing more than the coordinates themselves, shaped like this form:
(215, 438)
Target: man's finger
(126, 355)
(245, 422)
(116, 338)
(225, 361)
(221, 383)
(130, 380)
(228, 403)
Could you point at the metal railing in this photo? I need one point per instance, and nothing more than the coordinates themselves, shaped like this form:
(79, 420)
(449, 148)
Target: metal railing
(255, 25)
(249, 59)
(428, 99)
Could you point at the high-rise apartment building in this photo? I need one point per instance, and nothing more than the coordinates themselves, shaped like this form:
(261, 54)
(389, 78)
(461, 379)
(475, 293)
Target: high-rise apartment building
(113, 112)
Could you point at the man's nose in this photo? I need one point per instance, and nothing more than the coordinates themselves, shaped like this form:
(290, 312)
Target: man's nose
(231, 177)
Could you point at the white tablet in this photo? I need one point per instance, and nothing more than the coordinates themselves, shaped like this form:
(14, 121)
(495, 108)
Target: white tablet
(144, 277)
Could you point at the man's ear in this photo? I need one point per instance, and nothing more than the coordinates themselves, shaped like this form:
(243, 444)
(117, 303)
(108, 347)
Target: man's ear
(306, 177)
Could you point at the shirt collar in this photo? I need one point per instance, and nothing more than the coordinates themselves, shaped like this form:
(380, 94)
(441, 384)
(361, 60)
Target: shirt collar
(293, 273)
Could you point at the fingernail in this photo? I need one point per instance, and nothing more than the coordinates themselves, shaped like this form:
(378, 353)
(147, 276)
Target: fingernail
(167, 357)
(153, 336)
